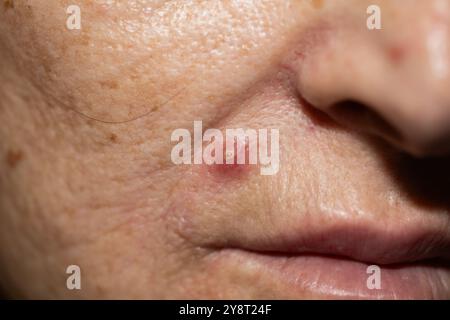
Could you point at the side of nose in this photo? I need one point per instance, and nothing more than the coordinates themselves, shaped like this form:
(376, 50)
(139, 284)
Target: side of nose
(393, 82)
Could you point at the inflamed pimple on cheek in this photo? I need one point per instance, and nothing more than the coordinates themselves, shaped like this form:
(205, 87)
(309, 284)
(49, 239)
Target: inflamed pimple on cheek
(236, 164)
(244, 152)
(227, 152)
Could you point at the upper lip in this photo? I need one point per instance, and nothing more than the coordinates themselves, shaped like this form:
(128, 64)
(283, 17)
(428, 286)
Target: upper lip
(406, 242)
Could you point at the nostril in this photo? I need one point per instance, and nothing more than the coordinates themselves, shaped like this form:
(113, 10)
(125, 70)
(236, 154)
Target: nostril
(359, 116)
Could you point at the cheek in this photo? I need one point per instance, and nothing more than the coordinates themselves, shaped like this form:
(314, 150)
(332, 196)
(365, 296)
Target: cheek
(127, 62)
(100, 70)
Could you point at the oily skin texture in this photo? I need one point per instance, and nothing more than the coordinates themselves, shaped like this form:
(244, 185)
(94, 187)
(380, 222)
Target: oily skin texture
(86, 176)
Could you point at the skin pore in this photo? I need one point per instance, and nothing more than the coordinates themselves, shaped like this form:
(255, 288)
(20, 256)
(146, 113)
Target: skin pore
(86, 176)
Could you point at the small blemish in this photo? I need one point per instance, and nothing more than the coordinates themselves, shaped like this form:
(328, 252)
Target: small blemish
(110, 84)
(13, 158)
(397, 53)
(318, 4)
(113, 138)
(230, 171)
(234, 170)
(8, 4)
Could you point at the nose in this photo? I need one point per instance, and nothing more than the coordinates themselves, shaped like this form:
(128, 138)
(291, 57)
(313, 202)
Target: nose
(393, 82)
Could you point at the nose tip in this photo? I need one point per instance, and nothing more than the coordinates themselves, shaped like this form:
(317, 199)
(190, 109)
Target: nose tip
(394, 83)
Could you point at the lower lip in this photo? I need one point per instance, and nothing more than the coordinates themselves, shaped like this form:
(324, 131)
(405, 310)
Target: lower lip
(322, 277)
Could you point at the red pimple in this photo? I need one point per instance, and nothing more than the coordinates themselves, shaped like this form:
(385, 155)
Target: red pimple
(233, 170)
(397, 53)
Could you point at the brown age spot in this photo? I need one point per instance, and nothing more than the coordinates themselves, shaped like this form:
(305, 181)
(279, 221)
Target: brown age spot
(8, 4)
(13, 157)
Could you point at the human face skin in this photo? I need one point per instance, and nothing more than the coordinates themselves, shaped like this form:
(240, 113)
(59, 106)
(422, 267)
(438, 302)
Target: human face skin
(86, 176)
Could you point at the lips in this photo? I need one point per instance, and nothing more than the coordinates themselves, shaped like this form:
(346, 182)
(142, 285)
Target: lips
(333, 209)
(312, 276)
(366, 241)
(329, 258)
(332, 261)
(325, 254)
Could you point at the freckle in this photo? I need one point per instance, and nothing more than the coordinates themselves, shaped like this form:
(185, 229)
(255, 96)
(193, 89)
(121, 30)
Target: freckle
(318, 4)
(13, 157)
(8, 4)
(110, 84)
(113, 138)
(29, 13)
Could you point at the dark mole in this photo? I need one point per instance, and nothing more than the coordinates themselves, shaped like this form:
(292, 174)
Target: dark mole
(13, 157)
(8, 4)
(113, 137)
